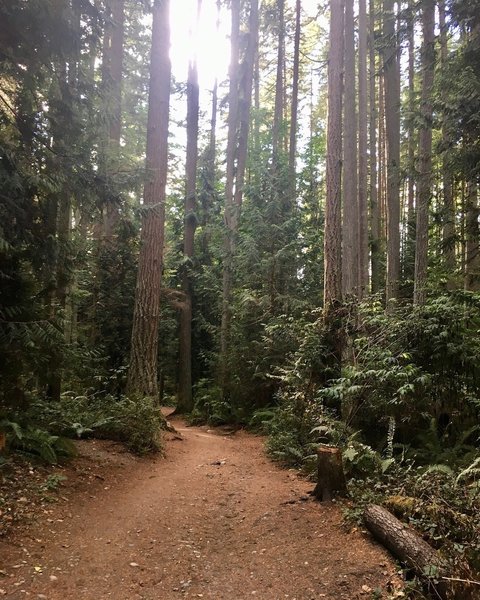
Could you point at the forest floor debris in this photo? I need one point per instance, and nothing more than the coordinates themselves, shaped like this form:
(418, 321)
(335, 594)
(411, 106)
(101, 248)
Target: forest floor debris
(181, 527)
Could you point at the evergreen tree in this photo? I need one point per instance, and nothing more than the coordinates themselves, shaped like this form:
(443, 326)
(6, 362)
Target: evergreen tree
(142, 377)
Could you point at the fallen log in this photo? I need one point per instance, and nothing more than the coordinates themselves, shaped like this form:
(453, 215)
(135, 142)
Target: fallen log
(330, 476)
(406, 545)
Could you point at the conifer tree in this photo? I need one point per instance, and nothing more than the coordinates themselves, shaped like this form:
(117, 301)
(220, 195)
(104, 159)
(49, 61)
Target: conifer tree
(142, 374)
(333, 258)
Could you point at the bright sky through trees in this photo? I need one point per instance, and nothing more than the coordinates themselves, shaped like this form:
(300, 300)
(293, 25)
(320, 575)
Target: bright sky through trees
(211, 46)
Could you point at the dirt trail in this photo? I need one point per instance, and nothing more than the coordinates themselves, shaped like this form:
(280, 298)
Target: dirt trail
(214, 519)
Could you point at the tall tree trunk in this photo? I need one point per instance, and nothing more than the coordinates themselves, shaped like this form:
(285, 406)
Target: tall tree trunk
(70, 302)
(382, 165)
(229, 215)
(112, 74)
(350, 248)
(411, 133)
(362, 151)
(256, 103)
(106, 250)
(240, 97)
(463, 227)
(333, 224)
(374, 204)
(292, 149)
(392, 130)
(277, 127)
(209, 194)
(472, 239)
(277, 275)
(60, 216)
(448, 230)
(425, 153)
(142, 374)
(185, 397)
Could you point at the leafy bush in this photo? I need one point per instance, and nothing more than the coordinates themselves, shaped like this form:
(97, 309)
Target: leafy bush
(420, 369)
(261, 420)
(410, 384)
(210, 406)
(36, 441)
(298, 426)
(404, 411)
(137, 422)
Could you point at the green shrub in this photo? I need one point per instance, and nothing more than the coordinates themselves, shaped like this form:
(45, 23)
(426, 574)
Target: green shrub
(137, 422)
(37, 441)
(261, 419)
(419, 368)
(299, 425)
(210, 406)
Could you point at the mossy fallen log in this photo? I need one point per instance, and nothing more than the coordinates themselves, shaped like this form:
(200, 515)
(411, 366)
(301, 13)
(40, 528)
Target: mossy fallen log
(406, 545)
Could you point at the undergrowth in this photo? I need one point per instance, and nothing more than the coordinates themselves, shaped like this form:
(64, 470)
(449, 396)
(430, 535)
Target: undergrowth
(45, 427)
(404, 410)
(211, 407)
(35, 440)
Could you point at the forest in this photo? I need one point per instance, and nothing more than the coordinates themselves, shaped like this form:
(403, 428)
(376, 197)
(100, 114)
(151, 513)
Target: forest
(286, 241)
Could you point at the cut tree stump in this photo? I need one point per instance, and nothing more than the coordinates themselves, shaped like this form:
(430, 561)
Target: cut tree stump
(405, 544)
(330, 476)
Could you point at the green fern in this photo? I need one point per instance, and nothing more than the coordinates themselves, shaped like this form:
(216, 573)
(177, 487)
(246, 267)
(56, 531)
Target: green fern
(37, 441)
(262, 418)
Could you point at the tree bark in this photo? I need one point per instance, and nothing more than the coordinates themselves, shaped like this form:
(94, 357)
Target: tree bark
(405, 544)
(448, 230)
(185, 397)
(60, 204)
(411, 133)
(330, 476)
(392, 129)
(240, 97)
(112, 73)
(374, 193)
(472, 237)
(362, 151)
(279, 87)
(350, 247)
(333, 222)
(280, 198)
(382, 169)
(209, 178)
(425, 153)
(292, 149)
(229, 215)
(142, 374)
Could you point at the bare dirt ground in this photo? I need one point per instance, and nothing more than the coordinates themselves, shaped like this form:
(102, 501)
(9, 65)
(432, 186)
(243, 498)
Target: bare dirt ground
(213, 519)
